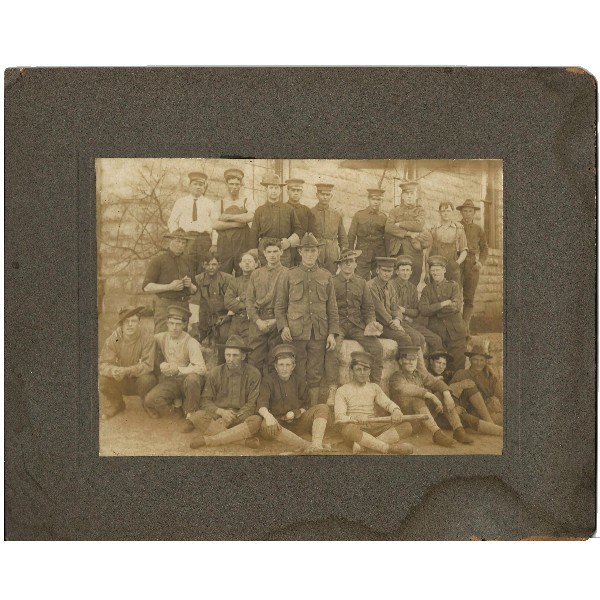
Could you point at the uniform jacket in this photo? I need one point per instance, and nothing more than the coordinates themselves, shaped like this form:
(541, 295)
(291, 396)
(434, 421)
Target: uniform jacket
(354, 300)
(408, 296)
(331, 225)
(476, 240)
(401, 220)
(385, 301)
(367, 228)
(448, 317)
(235, 294)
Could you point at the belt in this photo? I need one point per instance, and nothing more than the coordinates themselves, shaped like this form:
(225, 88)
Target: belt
(176, 299)
(269, 313)
(198, 233)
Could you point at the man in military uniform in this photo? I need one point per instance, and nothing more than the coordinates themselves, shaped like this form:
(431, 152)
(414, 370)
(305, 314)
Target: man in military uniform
(440, 302)
(307, 314)
(263, 335)
(305, 216)
(126, 363)
(235, 296)
(233, 225)
(357, 318)
(366, 233)
(405, 232)
(477, 254)
(274, 219)
(331, 228)
(171, 277)
(195, 214)
(228, 404)
(408, 299)
(214, 320)
(182, 366)
(283, 404)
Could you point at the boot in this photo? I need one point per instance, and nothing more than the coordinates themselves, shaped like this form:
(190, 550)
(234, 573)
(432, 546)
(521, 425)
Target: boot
(461, 436)
(110, 411)
(252, 442)
(489, 428)
(229, 436)
(441, 439)
(313, 396)
(331, 397)
(187, 427)
(400, 448)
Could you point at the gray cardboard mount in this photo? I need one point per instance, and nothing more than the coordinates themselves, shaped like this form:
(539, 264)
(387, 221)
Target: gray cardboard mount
(540, 122)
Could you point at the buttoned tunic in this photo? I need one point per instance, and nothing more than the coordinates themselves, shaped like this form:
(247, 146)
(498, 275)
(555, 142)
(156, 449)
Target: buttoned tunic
(333, 233)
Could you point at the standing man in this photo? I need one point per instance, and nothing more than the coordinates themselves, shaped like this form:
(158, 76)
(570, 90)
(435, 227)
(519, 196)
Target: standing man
(366, 233)
(171, 277)
(477, 254)
(233, 224)
(182, 367)
(440, 302)
(195, 214)
(235, 296)
(284, 405)
(228, 405)
(404, 230)
(126, 363)
(214, 320)
(450, 241)
(408, 299)
(357, 320)
(274, 219)
(305, 216)
(359, 401)
(260, 306)
(307, 314)
(331, 227)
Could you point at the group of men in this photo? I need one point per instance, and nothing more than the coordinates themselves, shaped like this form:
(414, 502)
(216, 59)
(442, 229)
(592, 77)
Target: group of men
(301, 286)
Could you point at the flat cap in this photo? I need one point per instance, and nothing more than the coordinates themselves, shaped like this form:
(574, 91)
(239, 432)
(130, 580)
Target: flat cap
(408, 349)
(294, 182)
(194, 175)
(361, 358)
(404, 259)
(409, 185)
(324, 187)
(385, 261)
(282, 349)
(436, 260)
(175, 311)
(233, 173)
(376, 192)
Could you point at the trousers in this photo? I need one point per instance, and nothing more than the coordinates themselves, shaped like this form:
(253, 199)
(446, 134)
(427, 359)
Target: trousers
(112, 391)
(189, 387)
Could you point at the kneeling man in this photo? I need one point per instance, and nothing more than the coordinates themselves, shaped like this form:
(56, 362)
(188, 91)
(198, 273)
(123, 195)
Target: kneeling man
(284, 405)
(228, 405)
(356, 410)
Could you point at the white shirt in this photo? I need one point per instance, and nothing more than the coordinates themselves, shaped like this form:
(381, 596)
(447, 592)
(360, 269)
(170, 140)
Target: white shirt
(207, 212)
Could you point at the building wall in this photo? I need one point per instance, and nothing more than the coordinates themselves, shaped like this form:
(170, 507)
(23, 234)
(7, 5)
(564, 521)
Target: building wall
(135, 197)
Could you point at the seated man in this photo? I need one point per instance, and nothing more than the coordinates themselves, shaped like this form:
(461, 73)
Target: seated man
(228, 405)
(486, 397)
(358, 401)
(284, 405)
(126, 363)
(437, 365)
(181, 365)
(409, 389)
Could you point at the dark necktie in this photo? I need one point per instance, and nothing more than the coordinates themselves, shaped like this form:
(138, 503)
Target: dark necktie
(195, 210)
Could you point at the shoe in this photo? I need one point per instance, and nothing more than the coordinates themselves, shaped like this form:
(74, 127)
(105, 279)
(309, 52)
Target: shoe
(252, 442)
(199, 442)
(187, 427)
(441, 439)
(401, 448)
(461, 436)
(151, 412)
(110, 411)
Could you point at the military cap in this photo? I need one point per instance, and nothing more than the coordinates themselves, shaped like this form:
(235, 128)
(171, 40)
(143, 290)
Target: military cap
(436, 260)
(385, 261)
(361, 358)
(236, 342)
(404, 259)
(409, 185)
(178, 234)
(282, 349)
(175, 311)
(438, 354)
(408, 349)
(129, 311)
(194, 175)
(375, 192)
(310, 241)
(346, 254)
(324, 187)
(294, 182)
(478, 350)
(233, 173)
(270, 178)
(468, 203)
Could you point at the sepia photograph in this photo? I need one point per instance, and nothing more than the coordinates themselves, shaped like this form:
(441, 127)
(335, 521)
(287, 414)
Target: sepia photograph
(282, 307)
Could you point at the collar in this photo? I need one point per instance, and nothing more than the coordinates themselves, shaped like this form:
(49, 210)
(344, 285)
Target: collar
(309, 269)
(278, 203)
(272, 268)
(175, 255)
(320, 206)
(451, 224)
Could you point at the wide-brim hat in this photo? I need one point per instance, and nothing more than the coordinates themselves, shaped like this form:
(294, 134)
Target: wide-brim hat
(310, 241)
(468, 204)
(271, 179)
(438, 354)
(178, 234)
(478, 350)
(129, 311)
(361, 358)
(237, 342)
(194, 175)
(348, 254)
(176, 311)
(233, 173)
